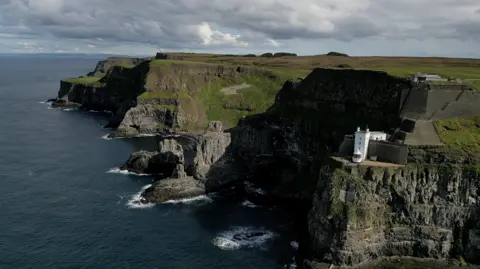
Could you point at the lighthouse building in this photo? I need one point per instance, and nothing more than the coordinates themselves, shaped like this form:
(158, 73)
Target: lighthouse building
(362, 139)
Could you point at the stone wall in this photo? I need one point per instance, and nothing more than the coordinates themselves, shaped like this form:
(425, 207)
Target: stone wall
(388, 151)
(439, 101)
(414, 104)
(384, 151)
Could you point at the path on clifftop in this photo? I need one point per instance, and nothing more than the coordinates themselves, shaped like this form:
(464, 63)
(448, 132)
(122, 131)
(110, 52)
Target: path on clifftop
(233, 89)
(424, 134)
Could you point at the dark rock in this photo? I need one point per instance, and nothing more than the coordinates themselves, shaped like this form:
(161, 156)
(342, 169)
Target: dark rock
(268, 55)
(246, 236)
(283, 54)
(165, 56)
(344, 66)
(103, 66)
(139, 162)
(215, 126)
(165, 162)
(333, 53)
(61, 103)
(173, 189)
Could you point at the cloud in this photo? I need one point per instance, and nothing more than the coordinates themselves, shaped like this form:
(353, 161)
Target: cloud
(236, 24)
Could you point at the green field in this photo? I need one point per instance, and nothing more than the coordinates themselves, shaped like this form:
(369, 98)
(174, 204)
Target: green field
(86, 81)
(460, 133)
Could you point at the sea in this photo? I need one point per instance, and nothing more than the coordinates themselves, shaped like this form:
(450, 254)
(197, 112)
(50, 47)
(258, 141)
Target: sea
(65, 204)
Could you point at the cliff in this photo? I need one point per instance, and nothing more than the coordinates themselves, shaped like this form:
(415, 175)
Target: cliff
(362, 213)
(287, 144)
(427, 209)
(103, 66)
(189, 165)
(161, 96)
(355, 214)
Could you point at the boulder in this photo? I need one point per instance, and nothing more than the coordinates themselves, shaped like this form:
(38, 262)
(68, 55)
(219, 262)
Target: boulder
(215, 126)
(165, 56)
(139, 162)
(61, 103)
(173, 189)
(165, 162)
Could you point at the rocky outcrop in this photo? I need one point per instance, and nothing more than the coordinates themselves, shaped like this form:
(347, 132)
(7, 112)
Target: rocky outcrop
(60, 103)
(103, 66)
(115, 92)
(213, 164)
(167, 160)
(284, 147)
(208, 169)
(165, 56)
(362, 213)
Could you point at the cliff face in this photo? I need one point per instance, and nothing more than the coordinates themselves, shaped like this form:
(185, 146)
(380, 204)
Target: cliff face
(102, 67)
(116, 91)
(181, 96)
(164, 95)
(286, 145)
(361, 213)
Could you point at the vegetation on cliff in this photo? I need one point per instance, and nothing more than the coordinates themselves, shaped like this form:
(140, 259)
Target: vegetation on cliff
(86, 80)
(460, 133)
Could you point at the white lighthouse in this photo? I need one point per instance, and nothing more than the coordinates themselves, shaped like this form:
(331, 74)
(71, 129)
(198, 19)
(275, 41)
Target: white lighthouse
(360, 148)
(362, 138)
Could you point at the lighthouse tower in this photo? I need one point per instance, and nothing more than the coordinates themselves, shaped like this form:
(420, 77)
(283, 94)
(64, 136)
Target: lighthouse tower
(360, 148)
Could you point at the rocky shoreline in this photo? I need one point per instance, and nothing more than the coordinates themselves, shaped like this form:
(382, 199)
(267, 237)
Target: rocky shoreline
(415, 211)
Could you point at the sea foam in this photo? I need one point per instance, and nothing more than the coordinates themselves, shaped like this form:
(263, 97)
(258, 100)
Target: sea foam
(226, 240)
(136, 199)
(117, 170)
(247, 203)
(190, 200)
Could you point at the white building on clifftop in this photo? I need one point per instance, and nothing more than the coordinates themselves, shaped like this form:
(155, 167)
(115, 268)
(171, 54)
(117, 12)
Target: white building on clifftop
(360, 146)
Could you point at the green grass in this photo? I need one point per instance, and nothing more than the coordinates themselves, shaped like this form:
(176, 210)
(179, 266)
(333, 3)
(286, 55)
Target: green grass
(258, 97)
(154, 63)
(475, 84)
(86, 81)
(163, 95)
(460, 133)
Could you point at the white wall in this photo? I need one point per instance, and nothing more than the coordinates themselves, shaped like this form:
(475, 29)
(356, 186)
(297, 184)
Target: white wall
(361, 143)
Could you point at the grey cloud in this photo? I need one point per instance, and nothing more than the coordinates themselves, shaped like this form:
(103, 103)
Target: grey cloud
(176, 23)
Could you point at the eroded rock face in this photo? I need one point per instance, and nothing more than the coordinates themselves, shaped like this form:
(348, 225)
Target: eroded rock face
(211, 166)
(173, 189)
(168, 161)
(213, 163)
(360, 214)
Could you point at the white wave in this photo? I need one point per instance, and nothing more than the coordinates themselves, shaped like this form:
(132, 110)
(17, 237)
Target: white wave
(294, 245)
(70, 109)
(45, 102)
(237, 238)
(106, 137)
(190, 200)
(247, 203)
(251, 187)
(136, 199)
(147, 135)
(292, 265)
(117, 170)
(101, 111)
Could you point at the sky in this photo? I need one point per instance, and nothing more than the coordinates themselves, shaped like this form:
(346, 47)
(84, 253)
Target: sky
(448, 28)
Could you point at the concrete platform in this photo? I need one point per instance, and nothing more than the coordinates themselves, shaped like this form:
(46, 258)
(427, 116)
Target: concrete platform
(347, 161)
(424, 134)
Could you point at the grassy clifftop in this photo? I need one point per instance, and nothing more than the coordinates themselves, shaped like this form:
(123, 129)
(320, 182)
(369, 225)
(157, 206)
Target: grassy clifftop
(204, 81)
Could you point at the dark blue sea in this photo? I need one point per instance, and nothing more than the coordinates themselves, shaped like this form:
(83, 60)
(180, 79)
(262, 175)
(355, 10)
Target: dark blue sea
(60, 207)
